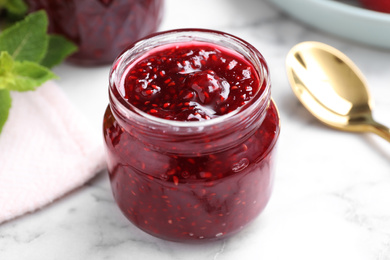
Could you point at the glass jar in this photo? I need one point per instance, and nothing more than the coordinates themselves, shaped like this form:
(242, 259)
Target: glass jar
(186, 180)
(100, 28)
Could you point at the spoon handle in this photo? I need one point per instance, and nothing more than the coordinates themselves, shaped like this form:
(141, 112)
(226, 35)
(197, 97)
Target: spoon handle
(381, 130)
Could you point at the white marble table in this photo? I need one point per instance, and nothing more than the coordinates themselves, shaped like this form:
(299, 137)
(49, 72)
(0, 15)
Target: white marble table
(332, 190)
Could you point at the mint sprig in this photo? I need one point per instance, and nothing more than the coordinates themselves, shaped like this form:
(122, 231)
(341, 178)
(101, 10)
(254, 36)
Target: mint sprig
(57, 50)
(14, 7)
(22, 75)
(27, 53)
(12, 11)
(27, 39)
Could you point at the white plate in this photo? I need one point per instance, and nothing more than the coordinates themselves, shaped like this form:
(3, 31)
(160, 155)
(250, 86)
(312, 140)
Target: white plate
(342, 19)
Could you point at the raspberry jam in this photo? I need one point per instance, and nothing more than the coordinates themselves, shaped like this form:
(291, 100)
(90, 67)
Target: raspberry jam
(190, 82)
(100, 28)
(190, 133)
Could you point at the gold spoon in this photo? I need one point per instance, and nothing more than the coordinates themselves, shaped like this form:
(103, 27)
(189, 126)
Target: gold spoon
(332, 88)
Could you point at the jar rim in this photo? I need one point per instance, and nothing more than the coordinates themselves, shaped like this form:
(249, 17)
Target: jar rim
(260, 100)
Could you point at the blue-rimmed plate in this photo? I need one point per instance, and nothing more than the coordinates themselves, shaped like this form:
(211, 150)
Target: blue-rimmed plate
(341, 18)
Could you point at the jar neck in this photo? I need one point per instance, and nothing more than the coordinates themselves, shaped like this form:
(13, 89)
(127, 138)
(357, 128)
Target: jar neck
(189, 137)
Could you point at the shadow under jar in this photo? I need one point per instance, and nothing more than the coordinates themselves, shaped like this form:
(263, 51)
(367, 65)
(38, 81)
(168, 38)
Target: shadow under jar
(190, 133)
(100, 28)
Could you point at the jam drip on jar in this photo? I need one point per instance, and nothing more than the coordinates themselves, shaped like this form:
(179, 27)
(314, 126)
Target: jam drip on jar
(190, 82)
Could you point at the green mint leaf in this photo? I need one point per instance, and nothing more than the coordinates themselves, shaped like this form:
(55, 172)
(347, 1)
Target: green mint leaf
(59, 48)
(22, 76)
(14, 7)
(26, 40)
(28, 75)
(5, 105)
(6, 66)
(6, 63)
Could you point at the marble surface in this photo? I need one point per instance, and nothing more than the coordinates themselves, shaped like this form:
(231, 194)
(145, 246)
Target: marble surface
(332, 189)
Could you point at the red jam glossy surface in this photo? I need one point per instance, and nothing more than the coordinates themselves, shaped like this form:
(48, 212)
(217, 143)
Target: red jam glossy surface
(193, 195)
(190, 82)
(100, 28)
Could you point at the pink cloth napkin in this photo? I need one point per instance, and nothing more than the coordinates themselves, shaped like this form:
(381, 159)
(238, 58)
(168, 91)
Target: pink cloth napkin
(46, 150)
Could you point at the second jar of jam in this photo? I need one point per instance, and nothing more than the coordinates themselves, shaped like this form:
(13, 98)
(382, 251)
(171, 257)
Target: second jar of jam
(100, 28)
(190, 134)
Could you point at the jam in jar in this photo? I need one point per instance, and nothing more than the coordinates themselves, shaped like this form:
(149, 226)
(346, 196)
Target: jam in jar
(100, 28)
(190, 133)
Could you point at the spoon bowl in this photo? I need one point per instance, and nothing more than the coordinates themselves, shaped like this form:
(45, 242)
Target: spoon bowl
(332, 88)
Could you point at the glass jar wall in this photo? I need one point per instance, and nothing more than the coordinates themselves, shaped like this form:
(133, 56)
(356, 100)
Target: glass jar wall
(191, 180)
(100, 28)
